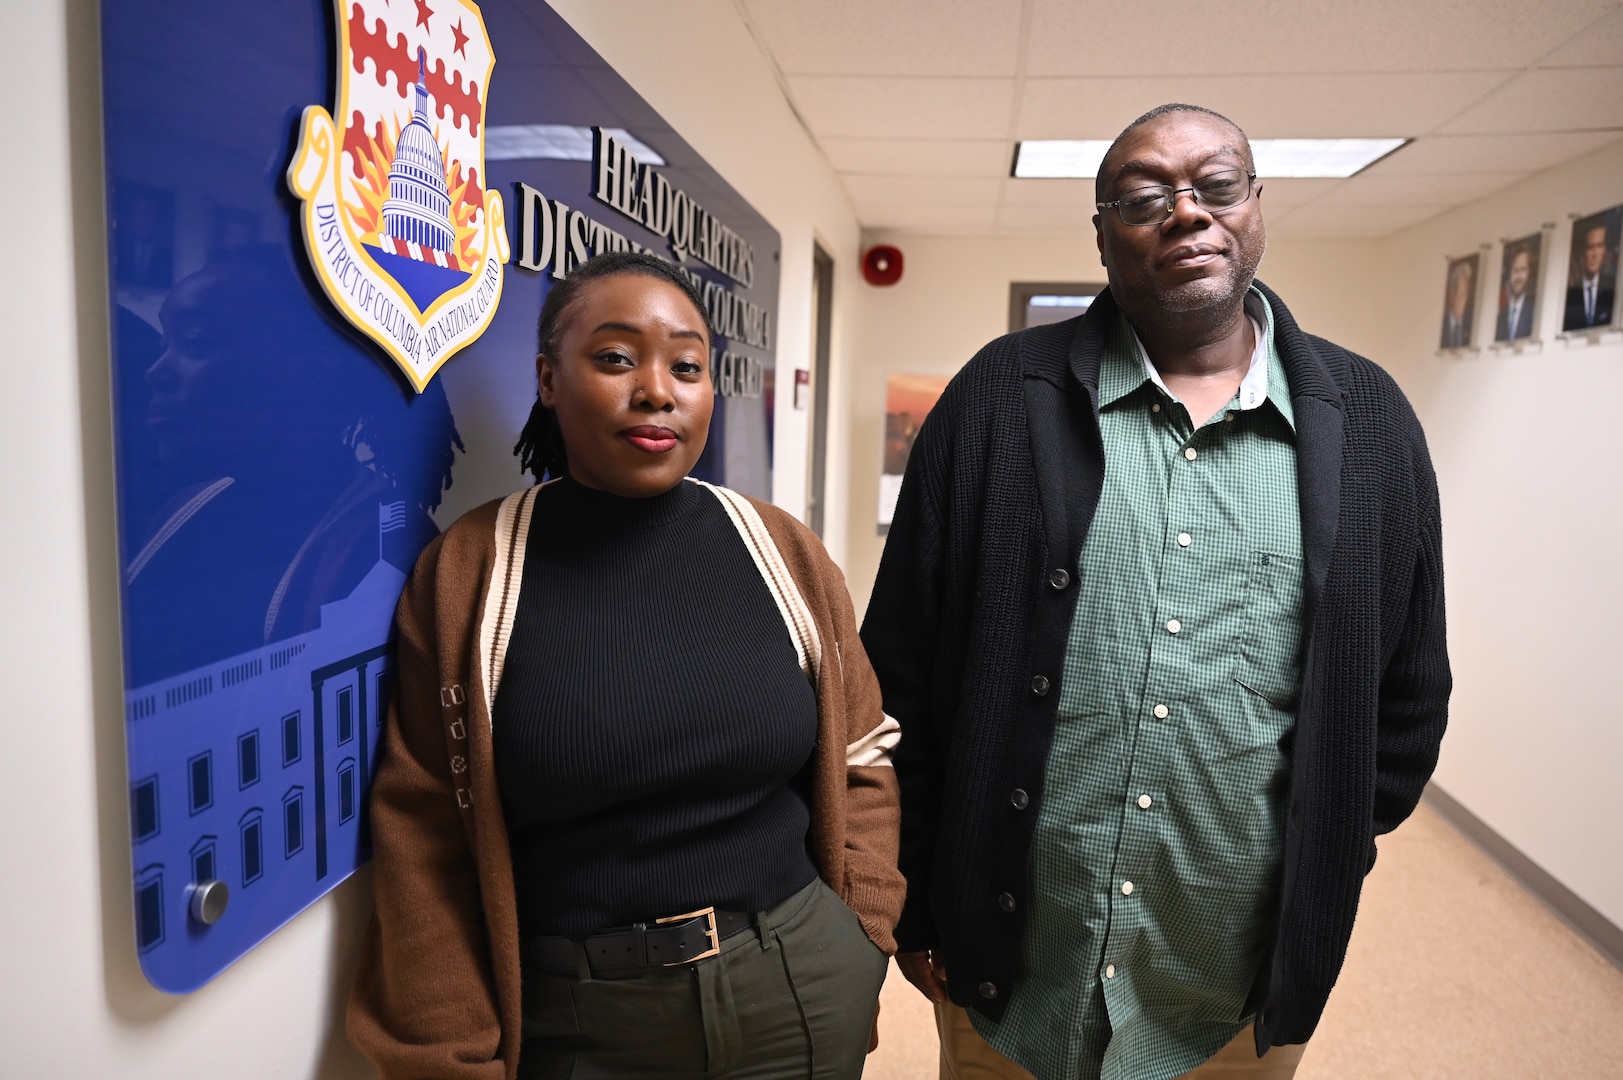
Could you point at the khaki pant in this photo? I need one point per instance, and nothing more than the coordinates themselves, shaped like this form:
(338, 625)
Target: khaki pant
(967, 1056)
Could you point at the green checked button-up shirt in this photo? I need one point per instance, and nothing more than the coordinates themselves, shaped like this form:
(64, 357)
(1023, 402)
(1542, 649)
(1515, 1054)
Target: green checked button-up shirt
(1156, 862)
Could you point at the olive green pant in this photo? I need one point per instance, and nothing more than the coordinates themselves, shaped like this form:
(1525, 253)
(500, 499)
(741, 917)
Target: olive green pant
(792, 998)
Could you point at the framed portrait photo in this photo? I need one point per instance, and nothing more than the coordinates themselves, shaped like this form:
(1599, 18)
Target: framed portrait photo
(1517, 317)
(1459, 301)
(1591, 302)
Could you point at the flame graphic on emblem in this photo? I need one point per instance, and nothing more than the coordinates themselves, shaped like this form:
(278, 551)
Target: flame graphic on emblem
(403, 234)
(371, 157)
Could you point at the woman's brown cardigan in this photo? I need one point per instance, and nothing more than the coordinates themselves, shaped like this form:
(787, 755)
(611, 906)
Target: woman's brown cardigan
(438, 990)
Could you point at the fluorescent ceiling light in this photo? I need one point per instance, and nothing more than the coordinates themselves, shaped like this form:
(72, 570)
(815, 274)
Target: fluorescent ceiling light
(1052, 158)
(557, 142)
(1080, 158)
(1060, 301)
(1319, 157)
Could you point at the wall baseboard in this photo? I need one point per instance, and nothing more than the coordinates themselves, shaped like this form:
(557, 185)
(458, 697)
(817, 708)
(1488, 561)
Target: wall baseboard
(1568, 906)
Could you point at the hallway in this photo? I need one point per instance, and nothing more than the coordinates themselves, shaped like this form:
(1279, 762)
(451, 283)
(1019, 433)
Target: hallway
(1455, 973)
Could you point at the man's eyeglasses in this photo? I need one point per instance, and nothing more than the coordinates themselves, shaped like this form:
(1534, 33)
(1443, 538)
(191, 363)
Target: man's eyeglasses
(1214, 193)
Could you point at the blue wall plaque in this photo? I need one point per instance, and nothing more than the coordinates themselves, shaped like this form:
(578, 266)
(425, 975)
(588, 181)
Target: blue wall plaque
(292, 428)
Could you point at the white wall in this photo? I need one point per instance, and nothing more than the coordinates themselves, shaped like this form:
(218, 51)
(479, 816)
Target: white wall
(72, 1000)
(954, 297)
(1525, 449)
(1523, 446)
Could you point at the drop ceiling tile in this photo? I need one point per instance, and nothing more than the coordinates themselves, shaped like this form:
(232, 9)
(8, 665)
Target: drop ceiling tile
(919, 157)
(897, 37)
(1049, 192)
(1282, 192)
(1389, 189)
(1047, 219)
(929, 220)
(1597, 46)
(1552, 99)
(1489, 153)
(1266, 106)
(868, 190)
(1331, 219)
(917, 108)
(1303, 36)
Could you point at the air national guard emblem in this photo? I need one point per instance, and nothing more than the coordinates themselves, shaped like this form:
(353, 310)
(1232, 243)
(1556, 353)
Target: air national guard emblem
(399, 225)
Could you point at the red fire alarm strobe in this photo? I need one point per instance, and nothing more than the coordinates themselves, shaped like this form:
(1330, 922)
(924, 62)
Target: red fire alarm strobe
(882, 265)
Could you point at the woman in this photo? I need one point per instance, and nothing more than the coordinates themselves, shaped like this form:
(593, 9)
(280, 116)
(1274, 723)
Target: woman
(635, 816)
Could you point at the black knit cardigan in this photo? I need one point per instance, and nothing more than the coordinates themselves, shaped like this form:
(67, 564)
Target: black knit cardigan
(972, 607)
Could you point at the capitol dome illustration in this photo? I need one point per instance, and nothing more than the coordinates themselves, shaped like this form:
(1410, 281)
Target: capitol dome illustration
(417, 213)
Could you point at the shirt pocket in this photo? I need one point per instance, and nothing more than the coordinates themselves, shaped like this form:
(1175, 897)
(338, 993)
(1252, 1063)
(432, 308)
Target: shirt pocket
(1269, 664)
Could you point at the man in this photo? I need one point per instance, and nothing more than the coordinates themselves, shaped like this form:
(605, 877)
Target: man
(1516, 311)
(1161, 617)
(1589, 303)
(1457, 312)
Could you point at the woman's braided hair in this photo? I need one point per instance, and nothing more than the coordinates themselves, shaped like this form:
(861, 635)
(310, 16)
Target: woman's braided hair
(540, 448)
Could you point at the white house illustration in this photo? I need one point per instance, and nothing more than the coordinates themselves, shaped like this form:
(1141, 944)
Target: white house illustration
(253, 771)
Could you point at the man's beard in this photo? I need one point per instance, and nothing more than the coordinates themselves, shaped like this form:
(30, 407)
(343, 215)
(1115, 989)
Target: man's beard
(1217, 296)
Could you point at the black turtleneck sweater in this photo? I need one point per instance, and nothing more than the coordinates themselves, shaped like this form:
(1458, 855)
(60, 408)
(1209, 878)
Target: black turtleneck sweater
(653, 724)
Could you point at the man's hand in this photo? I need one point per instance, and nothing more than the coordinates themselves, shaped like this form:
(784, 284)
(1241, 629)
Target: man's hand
(927, 970)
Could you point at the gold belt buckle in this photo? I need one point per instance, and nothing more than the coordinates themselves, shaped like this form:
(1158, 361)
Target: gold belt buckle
(709, 914)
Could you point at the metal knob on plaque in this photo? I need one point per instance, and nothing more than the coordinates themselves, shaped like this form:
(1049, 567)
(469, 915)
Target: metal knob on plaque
(209, 900)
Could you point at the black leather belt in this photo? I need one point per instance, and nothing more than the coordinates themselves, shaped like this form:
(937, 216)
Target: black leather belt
(679, 939)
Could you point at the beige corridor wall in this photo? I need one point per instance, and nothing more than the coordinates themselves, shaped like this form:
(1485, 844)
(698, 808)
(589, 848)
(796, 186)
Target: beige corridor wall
(1525, 446)
(72, 1000)
(954, 297)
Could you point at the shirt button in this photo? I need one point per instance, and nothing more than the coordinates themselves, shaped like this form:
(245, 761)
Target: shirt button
(1005, 901)
(1173, 626)
(1058, 579)
(1127, 888)
(1039, 685)
(1160, 712)
(1110, 971)
(988, 990)
(1144, 802)
(1156, 407)
(1184, 540)
(1019, 799)
(1189, 453)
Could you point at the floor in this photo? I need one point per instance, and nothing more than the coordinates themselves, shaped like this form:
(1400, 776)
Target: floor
(1454, 973)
